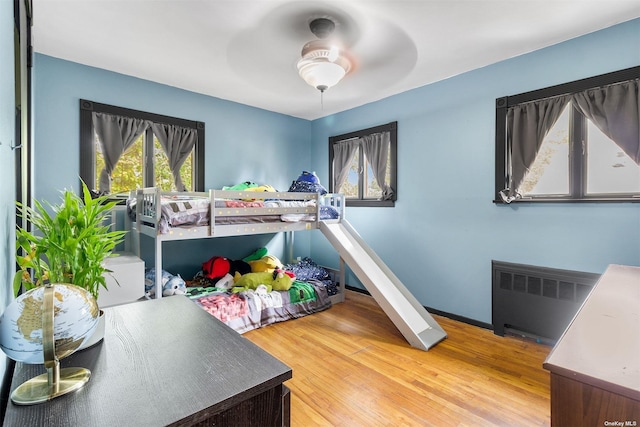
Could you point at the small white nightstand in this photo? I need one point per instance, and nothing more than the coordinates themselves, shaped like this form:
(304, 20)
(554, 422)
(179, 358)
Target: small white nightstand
(126, 282)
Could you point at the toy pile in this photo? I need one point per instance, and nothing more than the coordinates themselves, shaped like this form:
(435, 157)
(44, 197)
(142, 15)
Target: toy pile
(222, 274)
(249, 186)
(307, 182)
(253, 292)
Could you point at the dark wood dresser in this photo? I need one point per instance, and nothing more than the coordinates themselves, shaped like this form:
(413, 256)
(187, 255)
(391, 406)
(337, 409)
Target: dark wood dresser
(165, 362)
(595, 365)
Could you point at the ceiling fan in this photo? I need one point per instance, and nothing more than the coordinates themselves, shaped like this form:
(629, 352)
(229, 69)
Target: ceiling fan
(324, 61)
(279, 45)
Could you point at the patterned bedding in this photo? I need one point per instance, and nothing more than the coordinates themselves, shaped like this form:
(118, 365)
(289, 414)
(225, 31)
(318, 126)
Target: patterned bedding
(248, 310)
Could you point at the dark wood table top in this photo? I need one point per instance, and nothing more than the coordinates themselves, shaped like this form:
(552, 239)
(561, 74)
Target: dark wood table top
(161, 362)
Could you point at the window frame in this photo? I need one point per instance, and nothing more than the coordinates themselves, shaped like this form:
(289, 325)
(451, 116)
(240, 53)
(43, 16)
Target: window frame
(87, 152)
(392, 128)
(577, 183)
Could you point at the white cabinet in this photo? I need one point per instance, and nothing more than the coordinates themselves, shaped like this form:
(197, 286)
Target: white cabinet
(126, 282)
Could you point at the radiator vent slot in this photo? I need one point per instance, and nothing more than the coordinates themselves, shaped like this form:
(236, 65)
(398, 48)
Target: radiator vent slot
(537, 301)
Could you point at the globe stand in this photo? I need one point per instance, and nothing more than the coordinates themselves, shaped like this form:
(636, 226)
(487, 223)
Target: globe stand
(56, 382)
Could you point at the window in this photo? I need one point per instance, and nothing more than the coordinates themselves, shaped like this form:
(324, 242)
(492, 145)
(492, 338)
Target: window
(579, 141)
(363, 165)
(123, 149)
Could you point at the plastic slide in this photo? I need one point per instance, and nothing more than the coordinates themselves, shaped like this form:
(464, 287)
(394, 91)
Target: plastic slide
(414, 322)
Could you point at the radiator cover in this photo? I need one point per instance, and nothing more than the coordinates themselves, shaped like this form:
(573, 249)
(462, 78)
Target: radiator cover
(538, 301)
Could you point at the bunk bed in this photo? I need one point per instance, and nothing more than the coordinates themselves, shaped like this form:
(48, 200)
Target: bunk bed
(171, 216)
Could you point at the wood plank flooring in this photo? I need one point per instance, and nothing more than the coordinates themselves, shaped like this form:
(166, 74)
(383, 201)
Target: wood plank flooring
(352, 367)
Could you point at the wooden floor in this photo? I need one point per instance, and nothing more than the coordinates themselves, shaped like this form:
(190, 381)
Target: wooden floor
(352, 367)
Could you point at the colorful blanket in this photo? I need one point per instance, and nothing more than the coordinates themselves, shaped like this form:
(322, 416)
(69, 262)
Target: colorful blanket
(248, 310)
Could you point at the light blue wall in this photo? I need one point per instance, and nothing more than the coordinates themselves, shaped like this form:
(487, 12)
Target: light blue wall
(7, 164)
(242, 143)
(444, 231)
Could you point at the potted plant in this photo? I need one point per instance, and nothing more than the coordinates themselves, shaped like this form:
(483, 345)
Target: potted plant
(68, 244)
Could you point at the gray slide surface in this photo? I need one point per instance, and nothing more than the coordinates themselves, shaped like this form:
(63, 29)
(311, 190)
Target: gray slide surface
(414, 322)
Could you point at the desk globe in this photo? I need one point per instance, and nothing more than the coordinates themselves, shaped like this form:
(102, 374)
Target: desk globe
(43, 325)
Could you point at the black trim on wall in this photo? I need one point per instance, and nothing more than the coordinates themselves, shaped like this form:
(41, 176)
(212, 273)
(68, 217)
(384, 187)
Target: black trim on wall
(128, 112)
(86, 137)
(364, 132)
(502, 148)
(504, 103)
(574, 86)
(391, 127)
(87, 169)
(22, 145)
(448, 315)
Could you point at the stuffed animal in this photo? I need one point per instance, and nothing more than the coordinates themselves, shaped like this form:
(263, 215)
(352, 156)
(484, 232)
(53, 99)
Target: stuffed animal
(307, 182)
(171, 285)
(267, 263)
(265, 187)
(241, 187)
(250, 186)
(259, 189)
(238, 266)
(226, 282)
(309, 177)
(255, 255)
(217, 267)
(174, 286)
(279, 280)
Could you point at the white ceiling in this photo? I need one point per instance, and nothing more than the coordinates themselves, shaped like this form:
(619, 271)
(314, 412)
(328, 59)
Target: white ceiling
(246, 50)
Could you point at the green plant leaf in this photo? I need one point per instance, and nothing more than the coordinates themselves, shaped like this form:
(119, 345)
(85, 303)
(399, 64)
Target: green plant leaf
(68, 246)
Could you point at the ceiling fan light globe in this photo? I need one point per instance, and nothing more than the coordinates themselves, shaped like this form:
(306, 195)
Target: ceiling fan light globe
(322, 65)
(321, 73)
